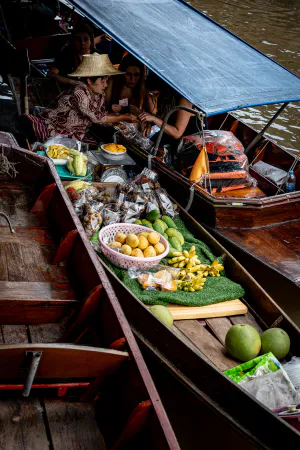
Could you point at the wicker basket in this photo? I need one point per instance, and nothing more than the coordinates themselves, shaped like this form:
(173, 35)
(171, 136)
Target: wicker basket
(106, 236)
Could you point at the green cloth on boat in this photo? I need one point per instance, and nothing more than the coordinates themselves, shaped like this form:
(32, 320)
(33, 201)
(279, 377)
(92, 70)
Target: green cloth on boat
(217, 289)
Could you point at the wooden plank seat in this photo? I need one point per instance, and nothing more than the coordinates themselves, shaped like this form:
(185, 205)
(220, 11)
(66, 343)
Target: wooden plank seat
(60, 361)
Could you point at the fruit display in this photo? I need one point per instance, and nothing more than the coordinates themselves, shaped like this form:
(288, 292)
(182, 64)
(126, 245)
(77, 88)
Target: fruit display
(77, 163)
(56, 151)
(163, 314)
(277, 341)
(141, 245)
(243, 342)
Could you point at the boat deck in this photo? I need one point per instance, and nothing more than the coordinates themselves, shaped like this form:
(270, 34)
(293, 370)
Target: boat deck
(39, 422)
(27, 272)
(208, 336)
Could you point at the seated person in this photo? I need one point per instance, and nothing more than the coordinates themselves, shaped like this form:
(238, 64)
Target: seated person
(127, 92)
(163, 98)
(75, 111)
(81, 43)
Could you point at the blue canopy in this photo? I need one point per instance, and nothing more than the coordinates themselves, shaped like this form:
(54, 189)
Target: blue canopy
(207, 64)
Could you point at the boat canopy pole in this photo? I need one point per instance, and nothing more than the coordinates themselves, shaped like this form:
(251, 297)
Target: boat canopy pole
(260, 134)
(153, 153)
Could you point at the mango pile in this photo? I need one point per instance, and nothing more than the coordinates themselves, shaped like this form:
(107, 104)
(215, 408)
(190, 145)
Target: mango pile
(166, 227)
(192, 275)
(142, 245)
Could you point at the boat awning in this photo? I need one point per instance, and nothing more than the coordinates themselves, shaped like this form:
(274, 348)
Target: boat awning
(208, 65)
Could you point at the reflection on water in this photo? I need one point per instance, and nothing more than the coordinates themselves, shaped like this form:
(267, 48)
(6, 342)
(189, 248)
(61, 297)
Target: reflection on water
(273, 27)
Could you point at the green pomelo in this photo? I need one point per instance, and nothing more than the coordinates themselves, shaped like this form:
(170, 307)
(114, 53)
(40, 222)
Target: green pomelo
(242, 342)
(163, 314)
(277, 341)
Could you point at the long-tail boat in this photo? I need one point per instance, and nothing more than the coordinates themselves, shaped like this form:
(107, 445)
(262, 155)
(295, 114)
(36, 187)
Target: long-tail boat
(64, 338)
(219, 73)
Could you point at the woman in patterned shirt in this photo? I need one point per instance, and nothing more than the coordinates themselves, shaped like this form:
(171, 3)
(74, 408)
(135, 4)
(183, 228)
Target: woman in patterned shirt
(77, 110)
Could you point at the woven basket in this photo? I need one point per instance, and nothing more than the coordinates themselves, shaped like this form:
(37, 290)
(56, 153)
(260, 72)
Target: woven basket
(106, 236)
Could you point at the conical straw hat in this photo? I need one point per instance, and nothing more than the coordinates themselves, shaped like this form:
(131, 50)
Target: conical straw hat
(95, 65)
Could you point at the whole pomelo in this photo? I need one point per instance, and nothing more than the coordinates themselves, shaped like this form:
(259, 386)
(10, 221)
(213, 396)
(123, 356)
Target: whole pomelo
(277, 341)
(163, 314)
(243, 342)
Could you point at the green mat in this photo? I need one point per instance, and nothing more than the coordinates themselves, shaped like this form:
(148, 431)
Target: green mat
(215, 290)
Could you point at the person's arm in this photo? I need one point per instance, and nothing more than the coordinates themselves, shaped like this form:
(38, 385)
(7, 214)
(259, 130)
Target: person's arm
(182, 119)
(82, 102)
(54, 73)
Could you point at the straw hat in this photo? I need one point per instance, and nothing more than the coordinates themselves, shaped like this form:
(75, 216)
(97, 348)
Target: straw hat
(95, 65)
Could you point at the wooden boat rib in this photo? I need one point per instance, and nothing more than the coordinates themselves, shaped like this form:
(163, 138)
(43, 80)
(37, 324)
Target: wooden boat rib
(62, 328)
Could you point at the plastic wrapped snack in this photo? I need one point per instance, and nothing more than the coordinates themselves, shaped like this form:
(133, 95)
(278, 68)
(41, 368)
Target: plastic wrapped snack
(166, 206)
(131, 211)
(129, 131)
(159, 278)
(92, 220)
(110, 216)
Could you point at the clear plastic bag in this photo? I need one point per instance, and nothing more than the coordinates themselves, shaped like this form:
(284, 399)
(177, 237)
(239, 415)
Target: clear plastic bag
(293, 370)
(159, 278)
(93, 218)
(166, 206)
(131, 211)
(274, 390)
(227, 163)
(110, 216)
(129, 131)
(59, 139)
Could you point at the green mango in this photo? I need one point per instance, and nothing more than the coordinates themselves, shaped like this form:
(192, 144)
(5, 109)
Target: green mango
(172, 232)
(158, 228)
(138, 222)
(165, 236)
(147, 224)
(174, 242)
(163, 224)
(153, 215)
(169, 222)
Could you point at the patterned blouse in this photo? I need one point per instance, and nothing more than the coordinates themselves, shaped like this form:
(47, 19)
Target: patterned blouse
(75, 112)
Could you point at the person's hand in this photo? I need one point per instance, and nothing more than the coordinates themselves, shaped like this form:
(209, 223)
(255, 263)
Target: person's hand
(146, 117)
(134, 110)
(116, 108)
(130, 118)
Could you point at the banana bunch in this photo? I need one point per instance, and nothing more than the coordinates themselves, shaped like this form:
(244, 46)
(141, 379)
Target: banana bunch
(191, 282)
(58, 152)
(192, 275)
(185, 259)
(212, 270)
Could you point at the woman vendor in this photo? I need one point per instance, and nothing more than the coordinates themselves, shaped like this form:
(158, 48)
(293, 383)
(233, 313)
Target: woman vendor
(127, 93)
(78, 109)
(81, 43)
(163, 98)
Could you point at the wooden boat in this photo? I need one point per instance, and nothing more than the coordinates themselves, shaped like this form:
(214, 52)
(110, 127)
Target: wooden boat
(194, 351)
(64, 336)
(218, 75)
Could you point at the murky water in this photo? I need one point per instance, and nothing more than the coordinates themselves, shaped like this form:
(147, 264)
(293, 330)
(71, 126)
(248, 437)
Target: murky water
(273, 27)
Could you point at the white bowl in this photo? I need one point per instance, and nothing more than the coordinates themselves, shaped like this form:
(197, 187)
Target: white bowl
(58, 161)
(113, 155)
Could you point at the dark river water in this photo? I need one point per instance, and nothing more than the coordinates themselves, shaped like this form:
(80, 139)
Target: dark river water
(273, 27)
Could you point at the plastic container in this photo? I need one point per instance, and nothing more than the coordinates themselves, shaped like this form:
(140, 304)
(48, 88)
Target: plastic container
(106, 235)
(290, 184)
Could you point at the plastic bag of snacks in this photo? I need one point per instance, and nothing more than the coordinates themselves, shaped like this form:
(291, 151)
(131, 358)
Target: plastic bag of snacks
(93, 219)
(159, 278)
(131, 211)
(110, 216)
(166, 206)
